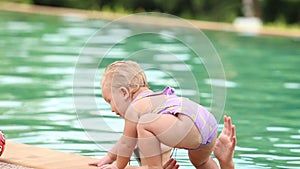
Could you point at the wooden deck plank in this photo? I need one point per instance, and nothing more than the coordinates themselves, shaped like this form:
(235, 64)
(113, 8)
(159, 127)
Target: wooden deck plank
(41, 158)
(4, 165)
(19, 154)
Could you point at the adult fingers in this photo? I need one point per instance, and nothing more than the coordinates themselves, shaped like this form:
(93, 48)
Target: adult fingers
(233, 132)
(165, 166)
(227, 125)
(224, 125)
(170, 164)
(234, 139)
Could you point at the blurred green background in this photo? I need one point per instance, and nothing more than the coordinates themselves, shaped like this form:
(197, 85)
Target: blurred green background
(274, 12)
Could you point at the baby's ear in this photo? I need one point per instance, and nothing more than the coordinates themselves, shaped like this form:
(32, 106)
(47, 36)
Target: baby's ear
(125, 92)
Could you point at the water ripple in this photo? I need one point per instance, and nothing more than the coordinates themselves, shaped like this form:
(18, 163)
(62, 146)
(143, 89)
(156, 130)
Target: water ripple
(6, 103)
(221, 83)
(278, 129)
(291, 85)
(6, 80)
(287, 145)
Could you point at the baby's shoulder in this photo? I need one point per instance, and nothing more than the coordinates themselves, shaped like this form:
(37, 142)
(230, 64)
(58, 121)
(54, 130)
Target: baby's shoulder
(142, 106)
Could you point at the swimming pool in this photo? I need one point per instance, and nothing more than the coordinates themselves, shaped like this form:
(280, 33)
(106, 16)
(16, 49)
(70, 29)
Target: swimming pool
(39, 53)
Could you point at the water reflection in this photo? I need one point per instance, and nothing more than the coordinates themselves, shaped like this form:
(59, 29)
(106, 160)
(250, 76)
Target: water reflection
(291, 85)
(6, 80)
(220, 82)
(282, 129)
(22, 27)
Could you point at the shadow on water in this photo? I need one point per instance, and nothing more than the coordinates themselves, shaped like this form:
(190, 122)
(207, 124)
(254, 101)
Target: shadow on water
(38, 56)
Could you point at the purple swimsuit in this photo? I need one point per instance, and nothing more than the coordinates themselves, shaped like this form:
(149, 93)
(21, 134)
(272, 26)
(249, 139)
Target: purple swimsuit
(203, 119)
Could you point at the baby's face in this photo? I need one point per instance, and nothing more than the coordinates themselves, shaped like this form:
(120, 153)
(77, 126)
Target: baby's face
(115, 98)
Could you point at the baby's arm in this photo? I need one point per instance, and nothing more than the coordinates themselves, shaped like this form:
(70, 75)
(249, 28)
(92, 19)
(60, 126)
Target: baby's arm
(126, 144)
(122, 150)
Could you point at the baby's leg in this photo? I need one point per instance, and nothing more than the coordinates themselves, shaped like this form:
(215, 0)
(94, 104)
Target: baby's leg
(165, 152)
(201, 158)
(170, 130)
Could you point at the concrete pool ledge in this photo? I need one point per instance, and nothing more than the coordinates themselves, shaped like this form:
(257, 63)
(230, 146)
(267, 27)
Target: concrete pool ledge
(89, 14)
(41, 158)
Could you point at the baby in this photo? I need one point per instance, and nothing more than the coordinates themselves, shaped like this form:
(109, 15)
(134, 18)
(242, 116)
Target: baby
(155, 118)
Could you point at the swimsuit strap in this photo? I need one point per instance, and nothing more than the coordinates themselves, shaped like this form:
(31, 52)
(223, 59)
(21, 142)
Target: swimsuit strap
(167, 91)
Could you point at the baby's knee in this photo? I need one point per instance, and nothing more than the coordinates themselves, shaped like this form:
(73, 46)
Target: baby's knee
(205, 163)
(140, 127)
(199, 163)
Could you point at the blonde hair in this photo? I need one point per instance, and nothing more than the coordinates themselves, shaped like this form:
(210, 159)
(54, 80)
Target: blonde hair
(125, 74)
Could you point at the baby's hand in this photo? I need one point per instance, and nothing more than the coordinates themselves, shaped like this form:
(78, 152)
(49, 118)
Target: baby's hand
(103, 161)
(108, 166)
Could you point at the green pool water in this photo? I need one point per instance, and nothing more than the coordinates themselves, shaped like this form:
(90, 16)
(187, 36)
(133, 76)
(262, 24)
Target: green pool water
(38, 58)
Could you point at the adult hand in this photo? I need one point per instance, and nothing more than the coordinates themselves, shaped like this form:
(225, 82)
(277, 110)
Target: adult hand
(224, 148)
(171, 164)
